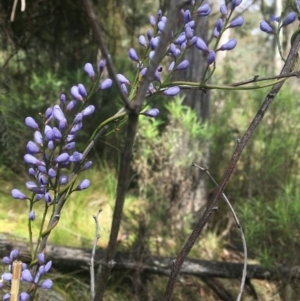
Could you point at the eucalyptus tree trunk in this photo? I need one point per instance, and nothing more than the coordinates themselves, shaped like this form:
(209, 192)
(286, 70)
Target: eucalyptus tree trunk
(194, 197)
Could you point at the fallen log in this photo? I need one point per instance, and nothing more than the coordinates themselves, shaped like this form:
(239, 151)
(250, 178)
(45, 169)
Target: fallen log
(67, 259)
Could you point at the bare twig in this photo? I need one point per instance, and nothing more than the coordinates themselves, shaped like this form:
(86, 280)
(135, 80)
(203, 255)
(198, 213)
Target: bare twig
(92, 267)
(228, 172)
(239, 227)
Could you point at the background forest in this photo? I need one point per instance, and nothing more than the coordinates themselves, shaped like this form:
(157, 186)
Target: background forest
(42, 54)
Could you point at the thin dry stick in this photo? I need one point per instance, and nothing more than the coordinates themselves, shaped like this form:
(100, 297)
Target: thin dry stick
(15, 282)
(228, 172)
(92, 267)
(240, 229)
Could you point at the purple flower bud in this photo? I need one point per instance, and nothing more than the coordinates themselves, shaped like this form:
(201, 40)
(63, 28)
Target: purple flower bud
(41, 258)
(106, 84)
(58, 114)
(102, 65)
(151, 54)
(7, 276)
(31, 215)
(38, 137)
(78, 118)
(76, 127)
(172, 50)
(223, 10)
(161, 26)
(30, 122)
(83, 185)
(211, 57)
(62, 158)
(46, 284)
(14, 254)
(48, 266)
(48, 198)
(50, 145)
(193, 40)
(229, 45)
(62, 125)
(32, 148)
(265, 27)
(154, 42)
(48, 133)
(75, 93)
(156, 76)
(70, 138)
(38, 197)
(24, 296)
(289, 19)
(236, 22)
(183, 65)
(76, 157)
(30, 159)
(63, 180)
(191, 24)
(87, 165)
(152, 21)
(235, 3)
(88, 68)
(180, 39)
(172, 91)
(63, 98)
(171, 67)
(6, 260)
(42, 180)
(203, 10)
(189, 33)
(26, 276)
(149, 34)
(6, 297)
(31, 186)
(164, 19)
(159, 14)
(89, 110)
(42, 167)
(200, 44)
(273, 18)
(183, 46)
(71, 105)
(48, 113)
(151, 112)
(122, 79)
(51, 173)
(57, 134)
(216, 32)
(219, 24)
(124, 89)
(31, 172)
(82, 90)
(187, 16)
(70, 146)
(142, 41)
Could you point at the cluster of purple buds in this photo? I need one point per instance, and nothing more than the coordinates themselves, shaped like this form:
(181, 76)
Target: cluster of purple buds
(26, 275)
(181, 42)
(53, 149)
(266, 27)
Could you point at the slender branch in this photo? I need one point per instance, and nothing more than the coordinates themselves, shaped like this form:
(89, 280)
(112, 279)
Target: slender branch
(244, 273)
(228, 172)
(123, 179)
(92, 267)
